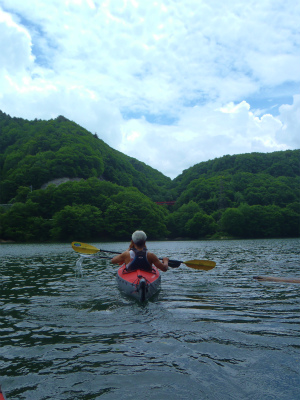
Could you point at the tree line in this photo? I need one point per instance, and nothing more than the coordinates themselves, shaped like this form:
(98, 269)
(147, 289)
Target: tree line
(244, 196)
(85, 210)
(99, 210)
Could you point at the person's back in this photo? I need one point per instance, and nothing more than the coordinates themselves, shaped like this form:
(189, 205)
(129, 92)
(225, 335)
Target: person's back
(139, 260)
(138, 243)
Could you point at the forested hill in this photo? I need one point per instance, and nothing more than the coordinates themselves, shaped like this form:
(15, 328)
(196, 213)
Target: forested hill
(33, 153)
(242, 196)
(279, 163)
(256, 180)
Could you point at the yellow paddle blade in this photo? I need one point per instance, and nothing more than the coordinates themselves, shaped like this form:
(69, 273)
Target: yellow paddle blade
(84, 248)
(206, 265)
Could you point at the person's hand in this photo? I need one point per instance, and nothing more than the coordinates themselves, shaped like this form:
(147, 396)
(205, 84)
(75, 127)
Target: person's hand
(165, 262)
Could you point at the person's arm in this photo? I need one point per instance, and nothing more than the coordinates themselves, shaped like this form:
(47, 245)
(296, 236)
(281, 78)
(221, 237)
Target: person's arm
(163, 266)
(121, 258)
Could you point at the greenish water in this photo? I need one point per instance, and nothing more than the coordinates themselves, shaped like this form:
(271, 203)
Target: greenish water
(206, 335)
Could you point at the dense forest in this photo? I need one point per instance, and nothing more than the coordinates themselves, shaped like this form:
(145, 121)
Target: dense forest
(35, 152)
(107, 195)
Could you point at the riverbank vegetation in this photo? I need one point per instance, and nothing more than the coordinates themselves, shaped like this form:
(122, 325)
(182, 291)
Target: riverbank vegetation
(106, 194)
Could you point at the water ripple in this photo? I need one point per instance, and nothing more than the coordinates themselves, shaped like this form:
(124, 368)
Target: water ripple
(69, 333)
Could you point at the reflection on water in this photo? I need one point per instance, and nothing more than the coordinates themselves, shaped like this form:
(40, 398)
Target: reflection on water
(67, 332)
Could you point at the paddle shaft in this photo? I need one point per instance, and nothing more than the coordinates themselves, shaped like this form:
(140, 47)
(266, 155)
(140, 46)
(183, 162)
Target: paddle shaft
(195, 264)
(95, 250)
(176, 263)
(172, 263)
(117, 252)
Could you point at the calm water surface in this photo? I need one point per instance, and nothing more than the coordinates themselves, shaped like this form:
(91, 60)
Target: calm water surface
(206, 335)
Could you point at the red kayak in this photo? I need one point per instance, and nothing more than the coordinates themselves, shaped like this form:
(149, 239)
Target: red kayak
(1, 394)
(139, 284)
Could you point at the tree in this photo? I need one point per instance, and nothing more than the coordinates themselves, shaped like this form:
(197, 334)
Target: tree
(201, 225)
(176, 222)
(233, 222)
(129, 211)
(291, 220)
(23, 223)
(77, 222)
(22, 194)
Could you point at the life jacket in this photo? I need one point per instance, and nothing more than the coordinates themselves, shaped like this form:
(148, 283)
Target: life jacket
(140, 261)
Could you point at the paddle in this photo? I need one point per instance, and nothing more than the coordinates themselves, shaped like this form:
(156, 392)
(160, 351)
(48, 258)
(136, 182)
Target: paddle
(277, 279)
(205, 265)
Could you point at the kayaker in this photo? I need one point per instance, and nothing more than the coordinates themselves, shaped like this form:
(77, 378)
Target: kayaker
(138, 257)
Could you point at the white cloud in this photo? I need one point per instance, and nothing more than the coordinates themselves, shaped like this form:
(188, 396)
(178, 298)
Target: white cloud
(275, 69)
(189, 66)
(16, 45)
(204, 133)
(290, 117)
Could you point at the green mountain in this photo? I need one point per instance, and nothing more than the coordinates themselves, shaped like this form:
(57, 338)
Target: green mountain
(279, 163)
(255, 179)
(33, 153)
(248, 195)
(108, 194)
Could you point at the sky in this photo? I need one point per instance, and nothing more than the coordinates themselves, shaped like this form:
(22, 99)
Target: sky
(171, 83)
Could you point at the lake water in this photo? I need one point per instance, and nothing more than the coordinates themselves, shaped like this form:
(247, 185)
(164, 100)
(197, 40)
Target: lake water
(206, 335)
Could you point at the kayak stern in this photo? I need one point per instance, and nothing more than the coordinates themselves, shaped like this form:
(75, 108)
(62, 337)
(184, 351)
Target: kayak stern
(139, 284)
